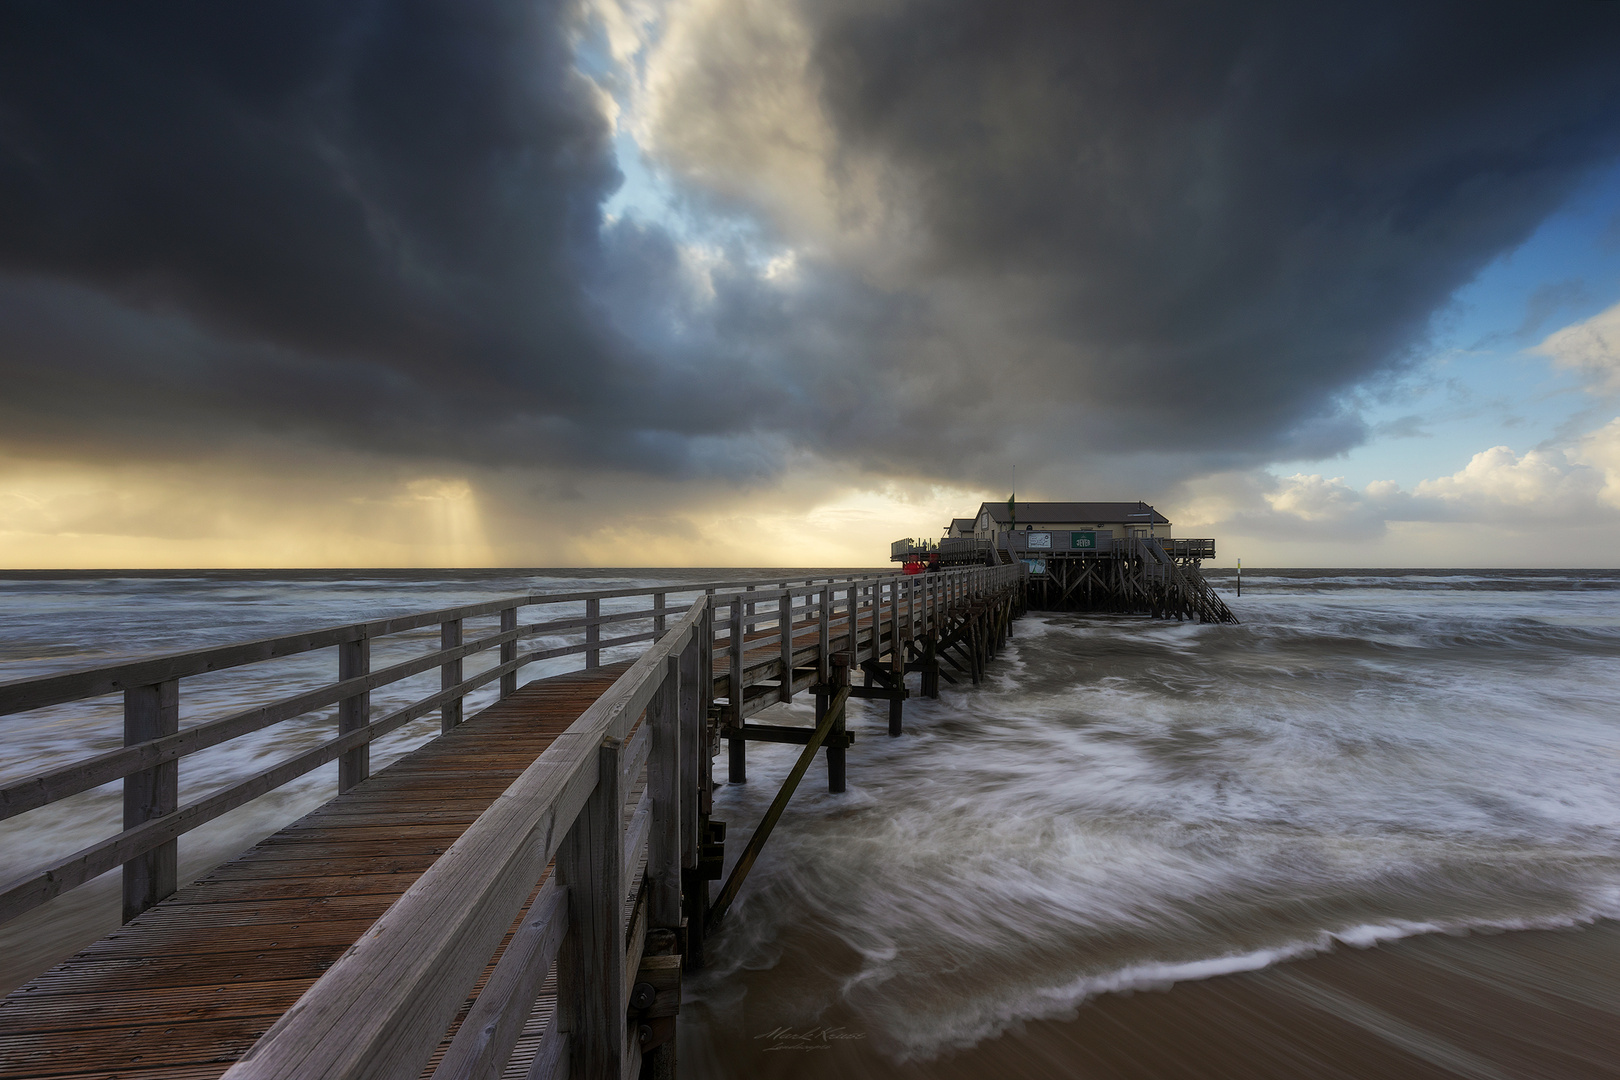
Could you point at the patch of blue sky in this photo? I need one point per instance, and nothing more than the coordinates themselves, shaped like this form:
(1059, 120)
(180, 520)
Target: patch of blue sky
(593, 57)
(643, 195)
(650, 198)
(1479, 384)
(646, 195)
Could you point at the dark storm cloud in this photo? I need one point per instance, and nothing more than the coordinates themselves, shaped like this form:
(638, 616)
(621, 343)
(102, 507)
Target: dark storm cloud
(333, 176)
(1238, 210)
(381, 219)
(380, 224)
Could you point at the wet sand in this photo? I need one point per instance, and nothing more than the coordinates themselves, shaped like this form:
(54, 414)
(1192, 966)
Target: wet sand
(1526, 1004)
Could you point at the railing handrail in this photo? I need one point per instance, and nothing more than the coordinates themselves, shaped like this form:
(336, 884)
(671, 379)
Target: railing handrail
(41, 691)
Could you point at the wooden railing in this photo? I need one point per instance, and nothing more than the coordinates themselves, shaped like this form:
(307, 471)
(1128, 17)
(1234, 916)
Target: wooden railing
(865, 617)
(154, 741)
(387, 1004)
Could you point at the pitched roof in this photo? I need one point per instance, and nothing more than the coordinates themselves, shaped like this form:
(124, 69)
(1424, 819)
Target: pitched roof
(1130, 512)
(963, 524)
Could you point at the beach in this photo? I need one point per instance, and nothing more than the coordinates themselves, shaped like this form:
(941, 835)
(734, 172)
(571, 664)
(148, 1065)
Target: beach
(1526, 1004)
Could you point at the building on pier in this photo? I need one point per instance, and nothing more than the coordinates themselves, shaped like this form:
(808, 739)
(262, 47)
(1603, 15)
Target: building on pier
(1087, 556)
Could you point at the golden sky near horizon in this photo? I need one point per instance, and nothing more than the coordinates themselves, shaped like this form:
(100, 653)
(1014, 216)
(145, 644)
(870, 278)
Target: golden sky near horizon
(85, 517)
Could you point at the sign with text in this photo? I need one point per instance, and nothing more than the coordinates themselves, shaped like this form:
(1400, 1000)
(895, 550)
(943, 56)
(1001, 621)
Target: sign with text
(1039, 540)
(1082, 541)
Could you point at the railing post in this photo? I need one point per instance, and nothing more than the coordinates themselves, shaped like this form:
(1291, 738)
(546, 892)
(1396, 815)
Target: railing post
(700, 752)
(927, 604)
(895, 655)
(668, 808)
(877, 622)
(737, 748)
(509, 681)
(911, 608)
(854, 601)
(591, 998)
(354, 713)
(784, 625)
(824, 634)
(151, 712)
(658, 615)
(694, 706)
(593, 633)
(877, 619)
(450, 675)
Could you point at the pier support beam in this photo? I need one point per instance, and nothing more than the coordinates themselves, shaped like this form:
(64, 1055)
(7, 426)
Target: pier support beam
(897, 668)
(836, 743)
(896, 703)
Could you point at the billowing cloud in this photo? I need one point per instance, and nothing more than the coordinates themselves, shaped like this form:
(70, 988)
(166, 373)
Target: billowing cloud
(1553, 484)
(1544, 488)
(377, 225)
(1203, 222)
(1590, 348)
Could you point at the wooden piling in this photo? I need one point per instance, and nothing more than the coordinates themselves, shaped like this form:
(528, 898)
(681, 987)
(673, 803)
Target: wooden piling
(930, 671)
(836, 746)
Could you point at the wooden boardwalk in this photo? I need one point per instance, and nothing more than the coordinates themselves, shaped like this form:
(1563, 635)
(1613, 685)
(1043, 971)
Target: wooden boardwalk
(543, 865)
(187, 987)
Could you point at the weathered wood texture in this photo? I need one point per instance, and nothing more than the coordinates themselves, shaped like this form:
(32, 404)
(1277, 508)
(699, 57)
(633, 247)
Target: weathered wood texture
(590, 967)
(187, 987)
(150, 712)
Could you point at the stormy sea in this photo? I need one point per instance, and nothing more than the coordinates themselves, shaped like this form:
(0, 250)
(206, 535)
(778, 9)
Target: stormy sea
(1372, 761)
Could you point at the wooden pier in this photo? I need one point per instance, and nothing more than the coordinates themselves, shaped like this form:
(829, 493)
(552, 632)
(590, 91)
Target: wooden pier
(1113, 557)
(516, 897)
(1135, 575)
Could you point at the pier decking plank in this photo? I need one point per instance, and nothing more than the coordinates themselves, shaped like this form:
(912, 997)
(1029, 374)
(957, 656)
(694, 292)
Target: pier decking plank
(184, 989)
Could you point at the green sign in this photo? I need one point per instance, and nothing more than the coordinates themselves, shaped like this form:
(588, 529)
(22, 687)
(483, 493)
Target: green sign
(1082, 541)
